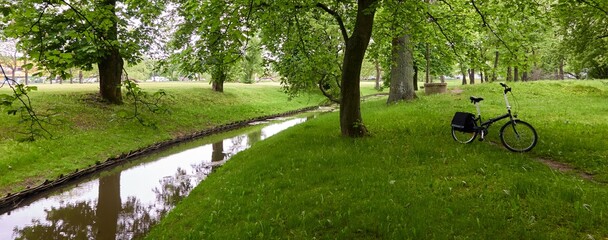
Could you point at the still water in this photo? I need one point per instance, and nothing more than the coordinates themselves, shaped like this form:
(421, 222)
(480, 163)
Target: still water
(125, 202)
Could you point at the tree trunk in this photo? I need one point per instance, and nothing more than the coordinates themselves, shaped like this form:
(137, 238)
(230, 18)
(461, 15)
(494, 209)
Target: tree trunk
(217, 86)
(482, 68)
(402, 70)
(471, 76)
(494, 75)
(351, 123)
(556, 74)
(110, 71)
(415, 80)
(524, 76)
(428, 64)
(509, 76)
(110, 65)
(464, 75)
(71, 77)
(218, 79)
(561, 69)
(515, 74)
(377, 63)
(80, 76)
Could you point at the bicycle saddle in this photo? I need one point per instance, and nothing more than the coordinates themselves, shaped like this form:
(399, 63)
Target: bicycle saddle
(475, 99)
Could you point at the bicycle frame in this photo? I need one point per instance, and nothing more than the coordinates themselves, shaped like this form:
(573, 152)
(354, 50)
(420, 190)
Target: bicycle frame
(489, 122)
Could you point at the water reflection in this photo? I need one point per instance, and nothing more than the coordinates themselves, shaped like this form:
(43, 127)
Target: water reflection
(218, 152)
(125, 204)
(254, 137)
(108, 206)
(71, 221)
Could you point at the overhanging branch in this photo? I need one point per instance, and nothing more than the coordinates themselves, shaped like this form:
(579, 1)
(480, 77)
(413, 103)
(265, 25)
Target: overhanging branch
(325, 93)
(337, 17)
(594, 5)
(485, 23)
(452, 44)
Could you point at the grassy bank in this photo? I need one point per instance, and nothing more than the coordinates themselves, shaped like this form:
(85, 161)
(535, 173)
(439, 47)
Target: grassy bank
(410, 180)
(86, 131)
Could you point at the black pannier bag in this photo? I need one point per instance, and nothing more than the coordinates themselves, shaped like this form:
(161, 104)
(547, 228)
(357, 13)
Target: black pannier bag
(464, 122)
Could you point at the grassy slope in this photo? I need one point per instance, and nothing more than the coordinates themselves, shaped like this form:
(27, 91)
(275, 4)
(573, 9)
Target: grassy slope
(91, 131)
(410, 180)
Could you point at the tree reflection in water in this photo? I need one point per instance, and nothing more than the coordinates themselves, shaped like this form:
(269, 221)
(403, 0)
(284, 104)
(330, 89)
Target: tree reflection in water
(108, 218)
(253, 137)
(218, 152)
(237, 146)
(74, 221)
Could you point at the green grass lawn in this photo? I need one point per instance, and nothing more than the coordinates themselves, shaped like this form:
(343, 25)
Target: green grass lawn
(87, 131)
(410, 180)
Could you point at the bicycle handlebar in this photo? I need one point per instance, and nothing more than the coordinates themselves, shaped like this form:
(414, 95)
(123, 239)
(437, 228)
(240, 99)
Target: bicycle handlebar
(507, 88)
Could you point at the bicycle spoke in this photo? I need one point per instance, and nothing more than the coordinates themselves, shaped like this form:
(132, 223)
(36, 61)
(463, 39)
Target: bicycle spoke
(519, 136)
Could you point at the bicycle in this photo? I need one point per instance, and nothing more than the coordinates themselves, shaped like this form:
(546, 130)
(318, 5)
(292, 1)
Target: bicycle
(516, 135)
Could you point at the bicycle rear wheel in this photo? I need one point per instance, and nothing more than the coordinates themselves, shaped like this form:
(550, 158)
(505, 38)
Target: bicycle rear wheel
(518, 136)
(463, 137)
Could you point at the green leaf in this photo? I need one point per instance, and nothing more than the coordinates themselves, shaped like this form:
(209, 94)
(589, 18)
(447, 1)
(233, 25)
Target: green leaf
(66, 55)
(28, 66)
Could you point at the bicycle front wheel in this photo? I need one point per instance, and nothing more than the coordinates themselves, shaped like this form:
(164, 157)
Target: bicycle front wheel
(518, 136)
(463, 137)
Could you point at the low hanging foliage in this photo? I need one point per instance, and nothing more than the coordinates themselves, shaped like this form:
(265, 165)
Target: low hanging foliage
(19, 104)
(143, 102)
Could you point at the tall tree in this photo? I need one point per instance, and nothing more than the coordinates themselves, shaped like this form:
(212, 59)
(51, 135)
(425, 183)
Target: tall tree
(399, 57)
(210, 37)
(252, 60)
(59, 35)
(293, 44)
(351, 122)
(110, 62)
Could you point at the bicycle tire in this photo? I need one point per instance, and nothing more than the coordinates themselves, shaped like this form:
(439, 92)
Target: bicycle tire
(518, 136)
(463, 137)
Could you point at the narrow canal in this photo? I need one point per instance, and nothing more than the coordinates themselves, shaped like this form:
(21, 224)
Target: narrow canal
(125, 202)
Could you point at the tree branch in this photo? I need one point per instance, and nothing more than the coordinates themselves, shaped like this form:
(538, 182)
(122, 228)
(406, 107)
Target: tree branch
(447, 3)
(485, 23)
(337, 17)
(452, 44)
(594, 5)
(325, 93)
